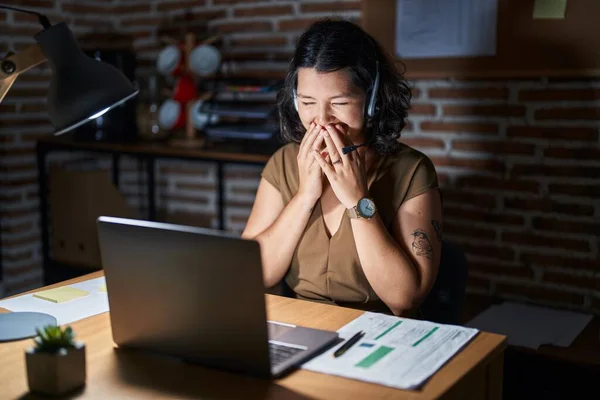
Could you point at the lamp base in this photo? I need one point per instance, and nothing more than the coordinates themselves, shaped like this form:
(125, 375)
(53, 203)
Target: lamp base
(22, 325)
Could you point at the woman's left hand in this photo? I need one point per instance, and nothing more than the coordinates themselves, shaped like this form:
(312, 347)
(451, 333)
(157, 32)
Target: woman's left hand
(346, 173)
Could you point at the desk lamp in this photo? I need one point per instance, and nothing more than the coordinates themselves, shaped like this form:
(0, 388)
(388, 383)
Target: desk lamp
(81, 90)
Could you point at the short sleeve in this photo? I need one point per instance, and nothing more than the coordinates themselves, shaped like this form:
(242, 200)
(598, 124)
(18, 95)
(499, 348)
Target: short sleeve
(424, 178)
(272, 170)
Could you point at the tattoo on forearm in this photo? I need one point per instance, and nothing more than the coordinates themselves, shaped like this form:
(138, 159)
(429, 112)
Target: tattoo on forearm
(438, 229)
(421, 244)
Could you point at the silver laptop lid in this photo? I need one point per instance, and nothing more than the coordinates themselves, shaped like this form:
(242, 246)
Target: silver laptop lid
(188, 292)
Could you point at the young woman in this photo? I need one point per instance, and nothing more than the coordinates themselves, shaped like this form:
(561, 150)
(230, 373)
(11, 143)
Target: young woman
(344, 212)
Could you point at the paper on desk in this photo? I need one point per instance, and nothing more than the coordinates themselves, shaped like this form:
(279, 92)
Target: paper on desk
(531, 326)
(94, 303)
(395, 352)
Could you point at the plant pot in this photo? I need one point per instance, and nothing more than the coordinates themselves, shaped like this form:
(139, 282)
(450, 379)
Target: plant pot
(55, 374)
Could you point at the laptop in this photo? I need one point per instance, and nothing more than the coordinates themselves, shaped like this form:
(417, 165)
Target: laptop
(197, 294)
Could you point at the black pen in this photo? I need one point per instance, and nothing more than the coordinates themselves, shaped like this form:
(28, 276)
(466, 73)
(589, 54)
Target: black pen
(349, 343)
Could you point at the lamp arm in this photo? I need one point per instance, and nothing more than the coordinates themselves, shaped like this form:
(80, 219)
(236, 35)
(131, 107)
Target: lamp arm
(15, 64)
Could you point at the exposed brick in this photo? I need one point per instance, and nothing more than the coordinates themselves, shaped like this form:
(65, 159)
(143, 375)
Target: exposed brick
(33, 107)
(586, 153)
(199, 171)
(195, 186)
(25, 284)
(553, 133)
(78, 8)
(20, 30)
(198, 201)
(296, 24)
(545, 261)
(8, 182)
(548, 205)
(330, 7)
(470, 127)
(221, 2)
(545, 241)
(424, 142)
(595, 303)
(588, 94)
(259, 41)
(27, 92)
(14, 272)
(570, 226)
(8, 108)
(19, 256)
(421, 109)
(582, 113)
(453, 229)
(493, 93)
(31, 3)
(572, 171)
(465, 199)
(483, 216)
(592, 191)
(490, 251)
(6, 138)
(35, 76)
(254, 26)
(142, 21)
(125, 9)
(33, 19)
(472, 163)
(495, 147)
(242, 174)
(26, 122)
(500, 269)
(486, 110)
(497, 184)
(540, 293)
(571, 280)
(263, 11)
(179, 5)
(244, 190)
(21, 241)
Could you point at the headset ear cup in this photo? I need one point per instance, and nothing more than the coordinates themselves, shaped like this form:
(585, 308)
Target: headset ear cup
(295, 101)
(371, 109)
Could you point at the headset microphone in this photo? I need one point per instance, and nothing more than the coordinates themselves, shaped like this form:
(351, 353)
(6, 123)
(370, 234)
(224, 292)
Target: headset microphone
(371, 108)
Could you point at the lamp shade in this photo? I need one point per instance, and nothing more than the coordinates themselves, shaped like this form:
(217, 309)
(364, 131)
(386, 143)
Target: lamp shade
(81, 88)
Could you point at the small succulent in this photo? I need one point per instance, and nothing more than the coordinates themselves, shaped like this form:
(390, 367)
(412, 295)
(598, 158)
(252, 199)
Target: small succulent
(53, 339)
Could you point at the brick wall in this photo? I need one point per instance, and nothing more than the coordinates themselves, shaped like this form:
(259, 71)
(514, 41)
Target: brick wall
(518, 159)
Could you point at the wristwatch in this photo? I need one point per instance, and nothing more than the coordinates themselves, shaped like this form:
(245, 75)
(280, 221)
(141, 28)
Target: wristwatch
(365, 208)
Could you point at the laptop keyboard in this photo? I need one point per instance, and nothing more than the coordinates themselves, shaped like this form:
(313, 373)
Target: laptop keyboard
(279, 353)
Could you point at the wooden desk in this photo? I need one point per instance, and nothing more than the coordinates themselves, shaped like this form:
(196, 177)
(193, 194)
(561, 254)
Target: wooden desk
(474, 373)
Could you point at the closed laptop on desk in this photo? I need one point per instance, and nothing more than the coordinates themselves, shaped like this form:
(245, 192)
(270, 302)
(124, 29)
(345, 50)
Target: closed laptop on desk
(196, 294)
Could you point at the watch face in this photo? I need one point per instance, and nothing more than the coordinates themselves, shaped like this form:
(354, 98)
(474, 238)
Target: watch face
(366, 208)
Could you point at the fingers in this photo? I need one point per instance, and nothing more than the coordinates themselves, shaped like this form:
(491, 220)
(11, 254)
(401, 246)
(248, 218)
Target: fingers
(307, 141)
(336, 134)
(325, 167)
(335, 154)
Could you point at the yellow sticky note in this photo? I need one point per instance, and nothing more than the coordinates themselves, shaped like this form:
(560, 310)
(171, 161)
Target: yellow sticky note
(102, 288)
(549, 9)
(61, 294)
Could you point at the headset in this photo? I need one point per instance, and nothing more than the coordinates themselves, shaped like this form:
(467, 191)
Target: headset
(370, 107)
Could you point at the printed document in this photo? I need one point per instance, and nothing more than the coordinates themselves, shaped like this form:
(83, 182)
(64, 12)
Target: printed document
(69, 311)
(396, 352)
(445, 28)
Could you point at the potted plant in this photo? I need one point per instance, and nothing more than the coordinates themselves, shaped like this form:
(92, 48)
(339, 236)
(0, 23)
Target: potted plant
(56, 364)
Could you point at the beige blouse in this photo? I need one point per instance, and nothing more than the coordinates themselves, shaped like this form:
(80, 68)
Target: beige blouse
(328, 269)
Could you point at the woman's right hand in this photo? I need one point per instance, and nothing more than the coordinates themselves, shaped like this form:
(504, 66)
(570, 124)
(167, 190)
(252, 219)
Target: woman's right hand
(311, 176)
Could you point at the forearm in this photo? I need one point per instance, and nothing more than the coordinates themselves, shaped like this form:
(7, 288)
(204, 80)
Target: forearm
(279, 241)
(389, 270)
